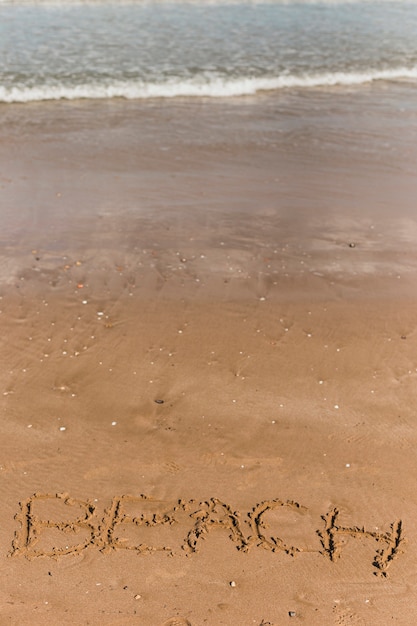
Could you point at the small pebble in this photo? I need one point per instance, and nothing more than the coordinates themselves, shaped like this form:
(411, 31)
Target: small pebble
(159, 401)
(232, 583)
(292, 613)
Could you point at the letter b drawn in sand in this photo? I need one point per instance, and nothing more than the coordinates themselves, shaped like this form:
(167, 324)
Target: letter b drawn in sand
(43, 536)
(393, 539)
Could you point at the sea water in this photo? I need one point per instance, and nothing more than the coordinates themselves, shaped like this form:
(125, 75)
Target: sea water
(138, 50)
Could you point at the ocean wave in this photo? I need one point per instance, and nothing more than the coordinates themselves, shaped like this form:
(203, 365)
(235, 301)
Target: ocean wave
(214, 87)
(195, 2)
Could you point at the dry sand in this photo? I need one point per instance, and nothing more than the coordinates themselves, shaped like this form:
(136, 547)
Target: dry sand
(208, 365)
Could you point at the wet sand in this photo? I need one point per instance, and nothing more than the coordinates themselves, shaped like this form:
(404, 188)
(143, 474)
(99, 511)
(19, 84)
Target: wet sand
(208, 361)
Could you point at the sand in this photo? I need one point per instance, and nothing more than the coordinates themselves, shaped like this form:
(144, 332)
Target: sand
(208, 362)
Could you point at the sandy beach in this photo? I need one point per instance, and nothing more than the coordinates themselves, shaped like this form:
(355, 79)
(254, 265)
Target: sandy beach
(208, 361)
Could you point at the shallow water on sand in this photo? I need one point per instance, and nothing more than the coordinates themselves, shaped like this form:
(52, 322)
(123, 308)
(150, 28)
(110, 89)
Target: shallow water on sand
(299, 178)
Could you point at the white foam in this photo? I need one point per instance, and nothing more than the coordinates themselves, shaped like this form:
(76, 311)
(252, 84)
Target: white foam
(195, 2)
(215, 87)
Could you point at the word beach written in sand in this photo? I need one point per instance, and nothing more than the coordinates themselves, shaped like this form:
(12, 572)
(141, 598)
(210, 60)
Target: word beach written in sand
(145, 525)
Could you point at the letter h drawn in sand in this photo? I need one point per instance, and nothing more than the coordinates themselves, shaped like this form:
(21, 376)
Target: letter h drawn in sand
(393, 539)
(33, 540)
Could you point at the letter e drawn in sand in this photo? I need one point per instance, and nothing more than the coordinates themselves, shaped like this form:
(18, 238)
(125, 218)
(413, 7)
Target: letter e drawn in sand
(127, 514)
(39, 536)
(393, 539)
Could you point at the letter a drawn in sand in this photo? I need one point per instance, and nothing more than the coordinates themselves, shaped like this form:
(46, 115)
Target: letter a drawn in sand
(214, 514)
